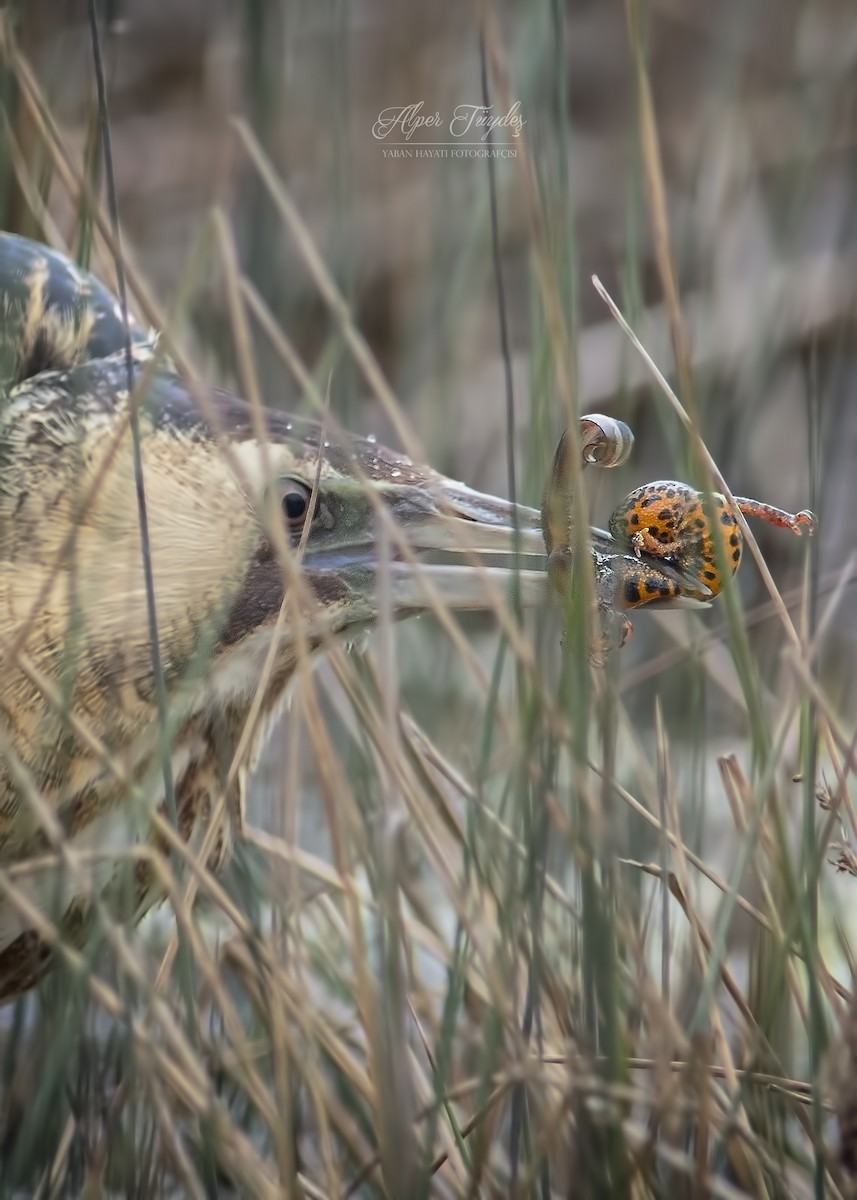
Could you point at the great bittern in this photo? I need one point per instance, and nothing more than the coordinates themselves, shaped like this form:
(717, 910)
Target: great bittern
(227, 490)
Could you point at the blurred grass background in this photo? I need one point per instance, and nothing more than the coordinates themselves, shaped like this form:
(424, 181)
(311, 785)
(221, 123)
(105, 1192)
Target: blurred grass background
(704, 720)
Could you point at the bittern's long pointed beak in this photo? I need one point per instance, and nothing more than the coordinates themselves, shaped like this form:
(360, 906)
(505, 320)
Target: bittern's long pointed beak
(461, 522)
(486, 543)
(464, 519)
(488, 546)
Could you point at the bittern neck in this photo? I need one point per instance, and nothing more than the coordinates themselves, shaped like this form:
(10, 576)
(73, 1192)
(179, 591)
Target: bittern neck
(200, 525)
(88, 622)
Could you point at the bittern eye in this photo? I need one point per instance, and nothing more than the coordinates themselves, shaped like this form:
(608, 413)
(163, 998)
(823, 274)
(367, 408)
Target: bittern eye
(295, 502)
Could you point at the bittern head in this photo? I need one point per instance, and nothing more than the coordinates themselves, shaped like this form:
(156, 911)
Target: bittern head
(348, 523)
(261, 525)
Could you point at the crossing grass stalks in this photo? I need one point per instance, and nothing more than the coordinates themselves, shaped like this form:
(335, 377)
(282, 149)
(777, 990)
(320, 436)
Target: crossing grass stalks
(521, 970)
